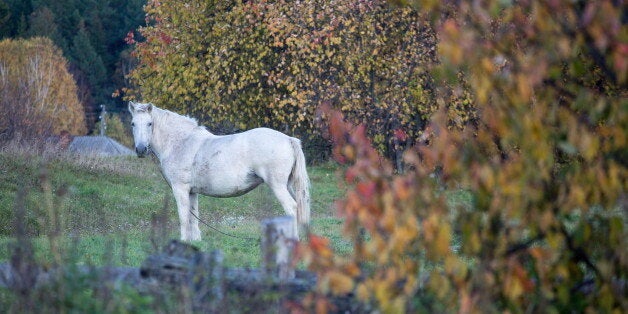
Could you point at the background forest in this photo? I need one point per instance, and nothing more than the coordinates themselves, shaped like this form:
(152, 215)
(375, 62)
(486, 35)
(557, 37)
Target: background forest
(90, 34)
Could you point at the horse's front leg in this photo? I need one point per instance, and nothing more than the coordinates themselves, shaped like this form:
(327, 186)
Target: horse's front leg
(196, 232)
(182, 196)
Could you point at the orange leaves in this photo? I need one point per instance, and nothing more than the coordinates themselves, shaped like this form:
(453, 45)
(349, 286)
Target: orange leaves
(366, 189)
(316, 252)
(540, 163)
(38, 95)
(379, 212)
(620, 62)
(319, 245)
(448, 47)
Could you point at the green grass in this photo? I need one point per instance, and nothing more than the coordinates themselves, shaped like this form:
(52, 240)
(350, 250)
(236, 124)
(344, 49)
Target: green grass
(118, 211)
(107, 206)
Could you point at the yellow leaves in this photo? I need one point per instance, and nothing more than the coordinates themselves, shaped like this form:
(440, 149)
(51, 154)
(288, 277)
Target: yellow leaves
(363, 292)
(456, 268)
(517, 281)
(588, 145)
(396, 305)
(486, 177)
(384, 288)
(439, 285)
(315, 53)
(474, 243)
(577, 195)
(389, 219)
(340, 283)
(524, 88)
(483, 82)
(555, 240)
(513, 288)
(488, 65)
(443, 239)
(437, 233)
(39, 95)
(403, 236)
(335, 40)
(547, 220)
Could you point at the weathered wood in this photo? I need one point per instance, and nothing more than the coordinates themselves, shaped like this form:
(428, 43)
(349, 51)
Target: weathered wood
(278, 241)
(205, 280)
(172, 265)
(200, 277)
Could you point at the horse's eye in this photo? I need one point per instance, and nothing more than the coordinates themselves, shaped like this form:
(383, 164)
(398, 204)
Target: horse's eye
(132, 124)
(150, 123)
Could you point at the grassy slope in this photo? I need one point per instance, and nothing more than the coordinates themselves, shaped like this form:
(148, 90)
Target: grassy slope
(109, 203)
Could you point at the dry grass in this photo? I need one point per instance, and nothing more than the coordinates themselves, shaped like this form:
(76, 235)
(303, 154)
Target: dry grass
(50, 150)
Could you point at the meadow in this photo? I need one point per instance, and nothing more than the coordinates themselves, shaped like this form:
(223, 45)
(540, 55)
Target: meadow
(118, 210)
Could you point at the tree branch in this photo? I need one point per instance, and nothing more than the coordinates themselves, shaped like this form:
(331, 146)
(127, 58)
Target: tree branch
(524, 245)
(579, 254)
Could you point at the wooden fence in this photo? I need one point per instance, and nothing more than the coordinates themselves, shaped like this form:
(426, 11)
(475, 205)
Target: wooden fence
(201, 275)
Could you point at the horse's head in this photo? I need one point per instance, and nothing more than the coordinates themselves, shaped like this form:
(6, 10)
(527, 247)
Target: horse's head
(142, 125)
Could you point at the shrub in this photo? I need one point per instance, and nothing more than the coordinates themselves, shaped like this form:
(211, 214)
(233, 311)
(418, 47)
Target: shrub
(544, 167)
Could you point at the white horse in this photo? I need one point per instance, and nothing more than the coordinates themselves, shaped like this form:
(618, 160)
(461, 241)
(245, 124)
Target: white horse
(194, 161)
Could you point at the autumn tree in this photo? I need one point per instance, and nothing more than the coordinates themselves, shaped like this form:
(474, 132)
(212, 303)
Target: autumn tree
(273, 63)
(38, 96)
(543, 172)
(91, 35)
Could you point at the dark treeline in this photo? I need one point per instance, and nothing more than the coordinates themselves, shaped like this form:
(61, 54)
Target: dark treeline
(91, 34)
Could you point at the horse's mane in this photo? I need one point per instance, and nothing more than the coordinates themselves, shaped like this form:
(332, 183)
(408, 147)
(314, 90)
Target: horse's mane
(171, 118)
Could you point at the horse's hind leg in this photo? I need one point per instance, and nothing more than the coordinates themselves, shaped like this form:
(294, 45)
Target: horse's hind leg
(280, 189)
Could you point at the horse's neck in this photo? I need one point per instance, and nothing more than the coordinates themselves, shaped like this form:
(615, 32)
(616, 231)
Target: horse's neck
(168, 133)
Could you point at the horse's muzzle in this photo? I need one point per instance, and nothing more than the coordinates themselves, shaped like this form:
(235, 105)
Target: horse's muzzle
(141, 150)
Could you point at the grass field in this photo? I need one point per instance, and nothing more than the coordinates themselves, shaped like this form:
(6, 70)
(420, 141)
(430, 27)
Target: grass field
(118, 210)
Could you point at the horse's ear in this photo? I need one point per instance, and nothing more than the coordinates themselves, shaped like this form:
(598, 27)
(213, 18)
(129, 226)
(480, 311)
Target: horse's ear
(149, 107)
(131, 107)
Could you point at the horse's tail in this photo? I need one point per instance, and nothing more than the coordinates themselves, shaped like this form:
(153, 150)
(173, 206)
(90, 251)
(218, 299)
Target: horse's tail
(300, 183)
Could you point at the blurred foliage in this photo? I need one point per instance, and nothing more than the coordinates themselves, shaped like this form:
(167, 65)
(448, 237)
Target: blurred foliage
(37, 93)
(545, 166)
(240, 64)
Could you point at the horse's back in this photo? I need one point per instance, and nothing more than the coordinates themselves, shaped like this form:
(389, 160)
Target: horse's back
(261, 140)
(264, 144)
(263, 134)
(253, 147)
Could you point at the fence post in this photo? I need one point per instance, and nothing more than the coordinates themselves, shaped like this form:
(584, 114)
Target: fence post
(278, 241)
(205, 280)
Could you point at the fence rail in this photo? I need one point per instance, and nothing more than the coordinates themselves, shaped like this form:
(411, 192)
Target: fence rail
(201, 274)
